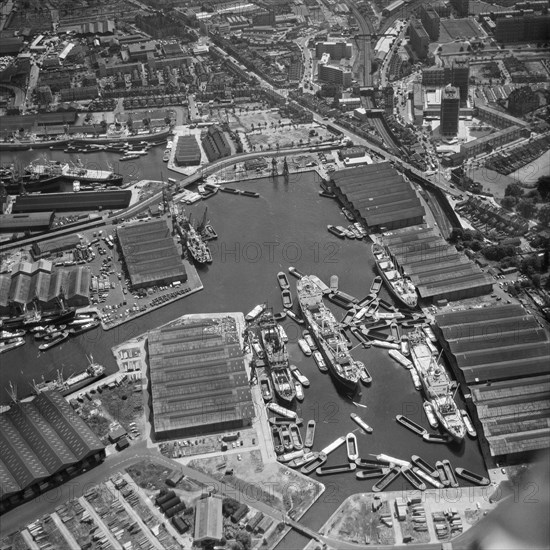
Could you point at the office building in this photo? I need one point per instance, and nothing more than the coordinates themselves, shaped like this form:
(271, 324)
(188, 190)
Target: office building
(333, 73)
(430, 20)
(450, 105)
(337, 50)
(456, 74)
(522, 28)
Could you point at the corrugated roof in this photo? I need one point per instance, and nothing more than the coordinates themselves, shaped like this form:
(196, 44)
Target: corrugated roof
(197, 375)
(208, 519)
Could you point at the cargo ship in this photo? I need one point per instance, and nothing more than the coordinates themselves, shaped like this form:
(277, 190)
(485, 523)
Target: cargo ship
(68, 171)
(277, 357)
(196, 246)
(437, 386)
(325, 330)
(400, 287)
(93, 372)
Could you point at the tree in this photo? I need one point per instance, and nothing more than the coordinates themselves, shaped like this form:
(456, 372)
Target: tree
(508, 203)
(526, 208)
(244, 538)
(544, 215)
(513, 190)
(543, 186)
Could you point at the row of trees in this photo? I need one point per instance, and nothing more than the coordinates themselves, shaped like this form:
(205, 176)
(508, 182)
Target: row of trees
(525, 203)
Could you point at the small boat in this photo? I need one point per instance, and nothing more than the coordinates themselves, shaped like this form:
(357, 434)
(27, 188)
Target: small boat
(415, 379)
(250, 316)
(299, 391)
(250, 194)
(372, 463)
(430, 415)
(336, 231)
(348, 214)
(283, 280)
(132, 156)
(413, 479)
(280, 316)
(310, 434)
(361, 229)
(381, 344)
(411, 425)
(314, 464)
(468, 423)
(282, 411)
(286, 295)
(327, 194)
(334, 283)
(286, 438)
(350, 317)
(7, 334)
(334, 445)
(304, 347)
(295, 317)
(400, 358)
(442, 474)
(321, 364)
(8, 345)
(288, 457)
(296, 437)
(319, 283)
(284, 421)
(265, 387)
(405, 348)
(79, 329)
(361, 423)
(345, 232)
(308, 338)
(338, 469)
(450, 473)
(395, 332)
(229, 190)
(423, 465)
(299, 462)
(372, 473)
(282, 333)
(428, 479)
(437, 438)
(386, 480)
(359, 335)
(299, 376)
(351, 447)
(364, 374)
(355, 231)
(376, 285)
(54, 341)
(472, 477)
(427, 330)
(293, 271)
(277, 442)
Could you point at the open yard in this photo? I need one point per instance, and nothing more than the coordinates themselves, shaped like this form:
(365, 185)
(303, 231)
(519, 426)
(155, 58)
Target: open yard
(152, 477)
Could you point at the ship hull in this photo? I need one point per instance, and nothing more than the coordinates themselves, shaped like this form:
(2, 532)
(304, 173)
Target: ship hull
(392, 290)
(286, 396)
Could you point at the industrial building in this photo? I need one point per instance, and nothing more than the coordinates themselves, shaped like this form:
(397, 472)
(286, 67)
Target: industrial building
(490, 141)
(43, 443)
(436, 268)
(208, 520)
(71, 202)
(188, 152)
(337, 49)
(14, 223)
(45, 249)
(215, 144)
(41, 285)
(379, 195)
(150, 254)
(198, 379)
(450, 106)
(501, 354)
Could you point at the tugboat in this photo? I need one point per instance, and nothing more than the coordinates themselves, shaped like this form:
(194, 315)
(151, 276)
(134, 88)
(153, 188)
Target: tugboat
(304, 347)
(400, 287)
(430, 415)
(325, 330)
(320, 361)
(57, 339)
(468, 423)
(294, 317)
(299, 391)
(299, 376)
(310, 342)
(364, 374)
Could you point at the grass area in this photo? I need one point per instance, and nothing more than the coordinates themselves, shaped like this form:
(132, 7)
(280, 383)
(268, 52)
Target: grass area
(149, 475)
(356, 521)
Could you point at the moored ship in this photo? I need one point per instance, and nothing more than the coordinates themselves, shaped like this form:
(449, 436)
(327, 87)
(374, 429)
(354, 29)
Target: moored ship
(196, 246)
(437, 386)
(46, 168)
(400, 287)
(325, 330)
(93, 372)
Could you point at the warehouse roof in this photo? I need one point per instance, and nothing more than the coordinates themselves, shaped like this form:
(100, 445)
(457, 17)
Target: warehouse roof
(198, 377)
(150, 252)
(434, 266)
(209, 519)
(83, 200)
(37, 220)
(187, 150)
(39, 438)
(502, 353)
(379, 193)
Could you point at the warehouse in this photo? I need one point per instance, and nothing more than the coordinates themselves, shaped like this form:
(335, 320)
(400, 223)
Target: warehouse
(208, 520)
(378, 195)
(44, 249)
(187, 152)
(150, 254)
(199, 384)
(43, 444)
(71, 202)
(436, 268)
(501, 353)
(13, 223)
